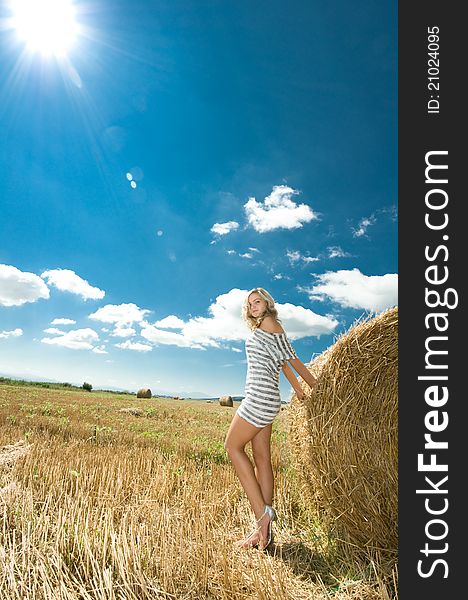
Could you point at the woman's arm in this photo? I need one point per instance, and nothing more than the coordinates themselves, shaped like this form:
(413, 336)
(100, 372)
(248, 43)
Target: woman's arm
(293, 380)
(303, 372)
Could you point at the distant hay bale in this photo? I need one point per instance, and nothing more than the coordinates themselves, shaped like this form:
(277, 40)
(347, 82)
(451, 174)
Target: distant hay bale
(136, 412)
(144, 393)
(344, 434)
(226, 401)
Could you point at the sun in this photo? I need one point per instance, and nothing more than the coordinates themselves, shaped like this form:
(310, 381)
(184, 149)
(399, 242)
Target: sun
(47, 27)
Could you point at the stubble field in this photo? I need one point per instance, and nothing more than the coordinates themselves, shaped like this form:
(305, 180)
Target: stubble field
(100, 503)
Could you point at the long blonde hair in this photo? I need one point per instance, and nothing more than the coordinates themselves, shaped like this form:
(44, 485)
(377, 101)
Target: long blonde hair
(252, 322)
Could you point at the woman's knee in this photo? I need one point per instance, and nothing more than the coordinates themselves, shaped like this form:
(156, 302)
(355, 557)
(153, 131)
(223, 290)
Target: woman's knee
(231, 446)
(262, 458)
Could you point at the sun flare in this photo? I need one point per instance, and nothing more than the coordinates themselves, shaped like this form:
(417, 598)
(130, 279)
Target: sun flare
(46, 26)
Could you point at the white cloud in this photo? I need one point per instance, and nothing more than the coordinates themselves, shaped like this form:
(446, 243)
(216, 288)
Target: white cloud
(336, 252)
(169, 338)
(77, 339)
(54, 331)
(363, 226)
(224, 228)
(295, 256)
(299, 322)
(352, 289)
(68, 281)
(248, 254)
(170, 322)
(120, 314)
(391, 211)
(13, 333)
(309, 259)
(63, 322)
(122, 331)
(225, 322)
(136, 346)
(18, 287)
(100, 350)
(278, 211)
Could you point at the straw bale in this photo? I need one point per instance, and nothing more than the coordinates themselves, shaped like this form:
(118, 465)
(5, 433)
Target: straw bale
(144, 393)
(344, 434)
(226, 401)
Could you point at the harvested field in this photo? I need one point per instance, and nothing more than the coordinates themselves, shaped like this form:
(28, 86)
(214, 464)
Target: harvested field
(105, 504)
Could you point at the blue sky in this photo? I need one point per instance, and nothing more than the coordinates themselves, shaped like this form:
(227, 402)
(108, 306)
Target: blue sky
(178, 154)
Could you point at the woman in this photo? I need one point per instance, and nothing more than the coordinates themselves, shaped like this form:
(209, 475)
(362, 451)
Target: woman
(268, 352)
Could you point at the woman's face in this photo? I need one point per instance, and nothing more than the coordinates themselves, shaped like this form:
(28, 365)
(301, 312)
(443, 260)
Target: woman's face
(257, 305)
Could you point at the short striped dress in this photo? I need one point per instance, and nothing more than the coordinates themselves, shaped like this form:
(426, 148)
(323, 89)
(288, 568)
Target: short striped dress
(266, 354)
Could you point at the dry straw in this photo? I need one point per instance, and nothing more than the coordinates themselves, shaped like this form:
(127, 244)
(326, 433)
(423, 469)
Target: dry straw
(344, 436)
(10, 453)
(132, 410)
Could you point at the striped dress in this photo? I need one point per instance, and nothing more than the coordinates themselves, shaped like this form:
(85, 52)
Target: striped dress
(266, 354)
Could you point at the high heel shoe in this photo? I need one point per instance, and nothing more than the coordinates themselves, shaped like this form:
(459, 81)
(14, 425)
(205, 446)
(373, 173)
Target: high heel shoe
(271, 512)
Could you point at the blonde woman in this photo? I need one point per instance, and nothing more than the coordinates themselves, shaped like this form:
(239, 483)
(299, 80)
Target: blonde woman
(268, 352)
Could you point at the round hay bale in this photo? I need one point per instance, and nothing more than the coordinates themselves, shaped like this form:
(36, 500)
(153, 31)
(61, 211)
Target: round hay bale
(144, 393)
(226, 401)
(344, 434)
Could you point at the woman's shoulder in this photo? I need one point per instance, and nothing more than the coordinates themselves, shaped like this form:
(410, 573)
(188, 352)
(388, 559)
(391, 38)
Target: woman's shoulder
(271, 325)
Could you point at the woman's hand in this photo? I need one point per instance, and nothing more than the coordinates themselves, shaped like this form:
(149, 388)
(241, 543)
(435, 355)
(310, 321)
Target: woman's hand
(300, 394)
(310, 381)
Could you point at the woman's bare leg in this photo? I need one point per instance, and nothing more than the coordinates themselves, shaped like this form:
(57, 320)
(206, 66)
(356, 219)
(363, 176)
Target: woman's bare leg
(261, 451)
(239, 434)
